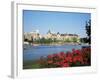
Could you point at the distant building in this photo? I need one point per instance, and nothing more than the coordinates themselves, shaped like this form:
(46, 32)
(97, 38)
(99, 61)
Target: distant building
(27, 36)
(63, 37)
(32, 35)
(51, 35)
(35, 35)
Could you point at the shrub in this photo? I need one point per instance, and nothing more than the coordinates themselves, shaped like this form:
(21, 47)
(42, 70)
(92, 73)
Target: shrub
(80, 57)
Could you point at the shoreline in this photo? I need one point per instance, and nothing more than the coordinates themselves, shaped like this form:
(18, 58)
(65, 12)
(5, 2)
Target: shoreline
(56, 44)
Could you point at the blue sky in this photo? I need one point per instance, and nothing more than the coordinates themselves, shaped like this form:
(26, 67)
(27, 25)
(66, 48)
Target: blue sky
(63, 22)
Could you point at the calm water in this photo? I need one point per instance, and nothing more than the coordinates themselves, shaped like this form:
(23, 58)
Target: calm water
(35, 52)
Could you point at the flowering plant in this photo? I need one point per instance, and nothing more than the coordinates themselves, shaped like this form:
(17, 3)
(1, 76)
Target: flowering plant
(79, 57)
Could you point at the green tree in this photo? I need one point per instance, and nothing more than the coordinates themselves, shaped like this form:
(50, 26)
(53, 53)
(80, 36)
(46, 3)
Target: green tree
(67, 40)
(83, 40)
(88, 31)
(74, 39)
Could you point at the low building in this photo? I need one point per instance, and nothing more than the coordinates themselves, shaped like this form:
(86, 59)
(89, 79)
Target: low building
(61, 37)
(32, 35)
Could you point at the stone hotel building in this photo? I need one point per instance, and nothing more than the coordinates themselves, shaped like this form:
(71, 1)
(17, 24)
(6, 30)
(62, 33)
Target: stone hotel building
(35, 36)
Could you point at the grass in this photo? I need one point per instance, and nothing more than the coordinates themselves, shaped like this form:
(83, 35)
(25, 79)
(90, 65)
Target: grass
(31, 65)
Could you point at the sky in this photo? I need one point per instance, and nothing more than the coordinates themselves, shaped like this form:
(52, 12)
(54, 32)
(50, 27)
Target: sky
(62, 22)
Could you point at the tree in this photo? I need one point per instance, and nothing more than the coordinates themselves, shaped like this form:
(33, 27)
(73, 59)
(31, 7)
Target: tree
(74, 39)
(67, 40)
(88, 31)
(42, 40)
(55, 40)
(83, 40)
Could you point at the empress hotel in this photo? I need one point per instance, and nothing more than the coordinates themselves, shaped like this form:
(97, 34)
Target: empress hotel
(35, 36)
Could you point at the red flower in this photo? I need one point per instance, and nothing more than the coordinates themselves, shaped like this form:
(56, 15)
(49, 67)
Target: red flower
(76, 57)
(62, 53)
(50, 61)
(65, 65)
(68, 59)
(49, 56)
(55, 55)
(57, 63)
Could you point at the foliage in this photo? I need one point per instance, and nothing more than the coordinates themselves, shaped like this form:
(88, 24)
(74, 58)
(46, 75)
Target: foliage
(88, 31)
(74, 39)
(49, 40)
(43, 41)
(84, 40)
(67, 40)
(81, 57)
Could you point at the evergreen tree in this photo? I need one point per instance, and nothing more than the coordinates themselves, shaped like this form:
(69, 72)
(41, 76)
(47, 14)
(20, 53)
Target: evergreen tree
(88, 31)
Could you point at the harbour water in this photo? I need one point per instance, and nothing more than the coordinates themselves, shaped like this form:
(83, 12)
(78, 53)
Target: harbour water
(35, 52)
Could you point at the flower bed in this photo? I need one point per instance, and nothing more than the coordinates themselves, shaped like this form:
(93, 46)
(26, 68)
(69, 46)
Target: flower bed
(80, 57)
